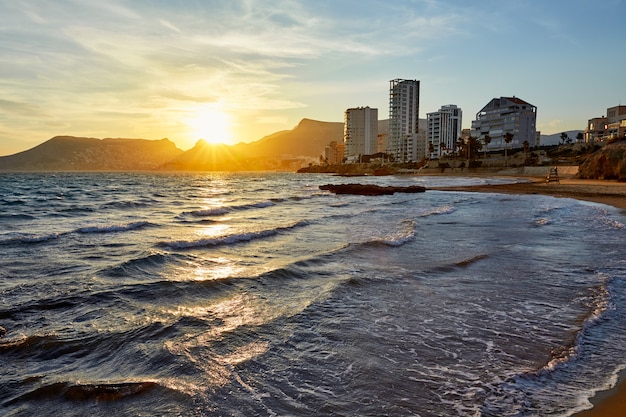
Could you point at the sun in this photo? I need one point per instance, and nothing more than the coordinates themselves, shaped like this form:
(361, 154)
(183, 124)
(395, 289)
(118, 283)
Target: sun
(212, 124)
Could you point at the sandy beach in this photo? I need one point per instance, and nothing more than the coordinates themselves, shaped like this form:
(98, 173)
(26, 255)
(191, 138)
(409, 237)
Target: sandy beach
(611, 403)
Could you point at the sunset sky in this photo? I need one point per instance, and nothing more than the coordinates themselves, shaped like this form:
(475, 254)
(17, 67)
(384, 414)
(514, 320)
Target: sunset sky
(236, 70)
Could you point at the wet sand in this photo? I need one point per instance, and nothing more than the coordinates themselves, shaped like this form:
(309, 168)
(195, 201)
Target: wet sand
(610, 403)
(606, 192)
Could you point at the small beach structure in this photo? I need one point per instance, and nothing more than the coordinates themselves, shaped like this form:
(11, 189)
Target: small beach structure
(553, 176)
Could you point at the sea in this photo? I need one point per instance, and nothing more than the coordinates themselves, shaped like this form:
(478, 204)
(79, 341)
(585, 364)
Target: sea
(258, 294)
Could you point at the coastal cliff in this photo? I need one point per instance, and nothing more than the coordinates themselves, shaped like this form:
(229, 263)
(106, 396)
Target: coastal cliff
(609, 163)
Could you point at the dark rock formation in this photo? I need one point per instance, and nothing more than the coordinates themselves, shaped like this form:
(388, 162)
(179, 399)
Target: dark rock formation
(609, 163)
(370, 189)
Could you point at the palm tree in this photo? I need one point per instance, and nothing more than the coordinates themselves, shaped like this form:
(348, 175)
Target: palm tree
(526, 147)
(486, 141)
(472, 145)
(508, 138)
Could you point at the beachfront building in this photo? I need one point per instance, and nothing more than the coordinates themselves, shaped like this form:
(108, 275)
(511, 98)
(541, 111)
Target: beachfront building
(596, 129)
(443, 129)
(616, 122)
(403, 141)
(602, 129)
(506, 115)
(334, 153)
(360, 132)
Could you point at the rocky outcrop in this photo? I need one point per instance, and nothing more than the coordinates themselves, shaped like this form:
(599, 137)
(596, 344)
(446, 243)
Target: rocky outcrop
(370, 189)
(609, 163)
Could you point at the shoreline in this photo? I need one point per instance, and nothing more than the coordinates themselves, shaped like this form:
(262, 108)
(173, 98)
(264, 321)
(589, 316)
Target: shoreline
(611, 193)
(606, 403)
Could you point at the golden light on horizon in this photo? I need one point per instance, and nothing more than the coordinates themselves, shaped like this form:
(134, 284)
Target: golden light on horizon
(211, 123)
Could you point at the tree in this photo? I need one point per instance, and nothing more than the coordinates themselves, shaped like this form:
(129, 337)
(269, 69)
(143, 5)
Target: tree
(472, 146)
(580, 137)
(431, 149)
(486, 141)
(508, 138)
(526, 147)
(564, 138)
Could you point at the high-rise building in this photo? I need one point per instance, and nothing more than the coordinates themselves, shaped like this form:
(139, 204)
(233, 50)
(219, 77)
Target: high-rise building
(360, 132)
(506, 115)
(404, 103)
(444, 129)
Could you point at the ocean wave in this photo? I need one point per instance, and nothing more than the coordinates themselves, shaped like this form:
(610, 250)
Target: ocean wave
(15, 216)
(142, 265)
(220, 211)
(230, 239)
(562, 356)
(438, 211)
(399, 238)
(113, 228)
(27, 239)
(86, 392)
(209, 212)
(468, 261)
(13, 202)
(127, 204)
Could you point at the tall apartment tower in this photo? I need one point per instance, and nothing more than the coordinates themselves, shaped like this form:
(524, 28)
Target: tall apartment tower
(360, 132)
(444, 128)
(506, 115)
(404, 104)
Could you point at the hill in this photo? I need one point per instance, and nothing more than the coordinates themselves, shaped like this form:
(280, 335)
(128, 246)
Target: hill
(308, 138)
(555, 138)
(284, 150)
(68, 153)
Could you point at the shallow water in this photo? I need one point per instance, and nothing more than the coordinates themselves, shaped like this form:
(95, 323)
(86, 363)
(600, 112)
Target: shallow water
(259, 294)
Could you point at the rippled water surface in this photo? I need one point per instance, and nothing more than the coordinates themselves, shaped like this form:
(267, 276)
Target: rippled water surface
(260, 294)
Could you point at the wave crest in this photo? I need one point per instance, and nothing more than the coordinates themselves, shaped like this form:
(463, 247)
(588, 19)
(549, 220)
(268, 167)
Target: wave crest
(113, 228)
(231, 239)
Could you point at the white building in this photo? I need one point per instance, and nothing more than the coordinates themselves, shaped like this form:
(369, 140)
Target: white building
(506, 115)
(443, 130)
(360, 132)
(404, 101)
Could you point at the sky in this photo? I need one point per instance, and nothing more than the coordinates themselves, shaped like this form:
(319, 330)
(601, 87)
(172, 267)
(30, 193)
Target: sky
(236, 70)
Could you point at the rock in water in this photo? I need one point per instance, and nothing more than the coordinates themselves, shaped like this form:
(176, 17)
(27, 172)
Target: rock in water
(370, 189)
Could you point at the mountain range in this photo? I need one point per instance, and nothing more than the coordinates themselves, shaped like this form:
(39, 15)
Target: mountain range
(284, 150)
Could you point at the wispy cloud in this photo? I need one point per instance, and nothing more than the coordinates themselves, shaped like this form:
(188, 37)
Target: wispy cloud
(93, 66)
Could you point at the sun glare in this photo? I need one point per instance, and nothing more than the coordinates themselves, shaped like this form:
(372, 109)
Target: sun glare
(211, 124)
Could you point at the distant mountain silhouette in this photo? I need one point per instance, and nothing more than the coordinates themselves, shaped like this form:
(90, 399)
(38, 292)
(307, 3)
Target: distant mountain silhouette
(308, 138)
(283, 150)
(68, 153)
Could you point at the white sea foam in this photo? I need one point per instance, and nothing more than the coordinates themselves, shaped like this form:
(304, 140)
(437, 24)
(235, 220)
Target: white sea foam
(30, 238)
(403, 236)
(210, 212)
(447, 209)
(112, 228)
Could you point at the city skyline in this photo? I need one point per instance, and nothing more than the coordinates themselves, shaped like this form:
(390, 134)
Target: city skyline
(232, 71)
